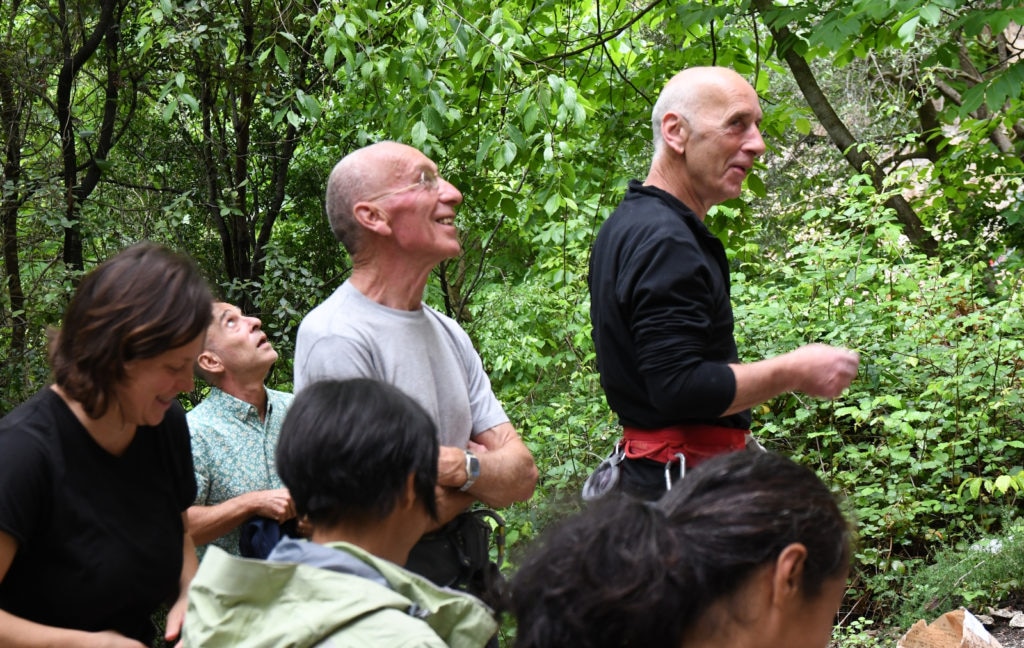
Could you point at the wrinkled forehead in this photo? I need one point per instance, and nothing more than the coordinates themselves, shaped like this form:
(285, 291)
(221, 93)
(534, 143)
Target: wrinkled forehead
(730, 97)
(222, 312)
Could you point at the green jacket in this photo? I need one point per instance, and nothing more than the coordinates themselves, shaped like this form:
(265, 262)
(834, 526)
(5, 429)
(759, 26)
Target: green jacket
(348, 599)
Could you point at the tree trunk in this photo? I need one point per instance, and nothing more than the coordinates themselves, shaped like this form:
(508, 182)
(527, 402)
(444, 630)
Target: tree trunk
(10, 122)
(73, 62)
(840, 134)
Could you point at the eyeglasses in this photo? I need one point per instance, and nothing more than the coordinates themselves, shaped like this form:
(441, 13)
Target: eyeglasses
(428, 180)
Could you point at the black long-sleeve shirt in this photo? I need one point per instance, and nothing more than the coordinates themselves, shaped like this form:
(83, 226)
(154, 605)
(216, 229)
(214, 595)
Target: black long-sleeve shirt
(661, 314)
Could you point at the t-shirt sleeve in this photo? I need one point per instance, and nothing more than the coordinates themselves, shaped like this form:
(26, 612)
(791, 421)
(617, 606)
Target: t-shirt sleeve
(26, 478)
(335, 358)
(485, 407)
(180, 456)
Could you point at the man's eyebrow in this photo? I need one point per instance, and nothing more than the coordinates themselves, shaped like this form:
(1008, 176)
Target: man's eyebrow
(224, 313)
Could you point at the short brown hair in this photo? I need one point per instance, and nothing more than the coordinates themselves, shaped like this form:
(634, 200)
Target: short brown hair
(138, 304)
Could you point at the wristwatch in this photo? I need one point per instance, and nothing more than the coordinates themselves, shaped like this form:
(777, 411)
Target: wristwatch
(472, 471)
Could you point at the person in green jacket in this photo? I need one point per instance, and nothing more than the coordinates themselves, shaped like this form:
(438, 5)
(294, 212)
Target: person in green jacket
(359, 458)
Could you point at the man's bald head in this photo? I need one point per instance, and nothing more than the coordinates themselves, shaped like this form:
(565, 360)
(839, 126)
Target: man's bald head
(361, 173)
(692, 93)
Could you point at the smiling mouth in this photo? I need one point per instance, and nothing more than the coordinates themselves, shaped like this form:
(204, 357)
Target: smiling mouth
(446, 221)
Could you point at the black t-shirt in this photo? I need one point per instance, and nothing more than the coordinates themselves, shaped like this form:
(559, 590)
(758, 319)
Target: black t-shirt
(99, 536)
(661, 314)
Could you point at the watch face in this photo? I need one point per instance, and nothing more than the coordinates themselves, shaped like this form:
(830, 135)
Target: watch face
(472, 470)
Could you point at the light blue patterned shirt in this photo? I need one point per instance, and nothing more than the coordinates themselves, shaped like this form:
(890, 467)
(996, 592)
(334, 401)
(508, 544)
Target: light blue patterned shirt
(233, 450)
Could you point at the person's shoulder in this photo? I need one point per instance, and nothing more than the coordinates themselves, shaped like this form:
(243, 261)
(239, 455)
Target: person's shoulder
(44, 405)
(280, 396)
(206, 411)
(447, 323)
(325, 313)
(437, 315)
(34, 425)
(279, 399)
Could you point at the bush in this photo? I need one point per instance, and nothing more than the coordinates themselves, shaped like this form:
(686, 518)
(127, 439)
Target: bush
(972, 574)
(924, 447)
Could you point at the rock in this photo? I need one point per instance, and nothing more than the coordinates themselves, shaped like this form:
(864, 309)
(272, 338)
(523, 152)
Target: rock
(954, 629)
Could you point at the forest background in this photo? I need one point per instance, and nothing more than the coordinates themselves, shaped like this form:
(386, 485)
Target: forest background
(887, 215)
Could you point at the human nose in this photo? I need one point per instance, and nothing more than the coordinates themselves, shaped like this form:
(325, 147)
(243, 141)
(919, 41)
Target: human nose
(755, 143)
(255, 323)
(448, 192)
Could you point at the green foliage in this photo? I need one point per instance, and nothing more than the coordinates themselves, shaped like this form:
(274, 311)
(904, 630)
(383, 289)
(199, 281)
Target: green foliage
(972, 574)
(540, 112)
(855, 633)
(537, 350)
(937, 402)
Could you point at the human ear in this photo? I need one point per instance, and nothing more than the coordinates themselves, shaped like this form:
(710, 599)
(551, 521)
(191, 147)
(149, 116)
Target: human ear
(372, 218)
(210, 362)
(408, 497)
(675, 132)
(789, 572)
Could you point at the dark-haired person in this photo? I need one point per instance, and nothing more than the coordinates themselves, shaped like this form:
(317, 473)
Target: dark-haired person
(659, 289)
(750, 550)
(234, 433)
(96, 469)
(360, 460)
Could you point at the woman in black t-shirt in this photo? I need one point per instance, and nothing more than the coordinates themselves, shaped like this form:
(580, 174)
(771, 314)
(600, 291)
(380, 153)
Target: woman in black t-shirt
(96, 469)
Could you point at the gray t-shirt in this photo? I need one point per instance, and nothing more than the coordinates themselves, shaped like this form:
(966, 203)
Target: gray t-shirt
(422, 352)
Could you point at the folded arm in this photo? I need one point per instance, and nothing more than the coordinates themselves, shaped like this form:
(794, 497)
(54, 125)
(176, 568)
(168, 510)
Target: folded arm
(507, 471)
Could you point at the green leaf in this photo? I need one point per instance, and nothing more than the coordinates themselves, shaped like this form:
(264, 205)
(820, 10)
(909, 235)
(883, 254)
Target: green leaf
(1004, 483)
(432, 119)
(972, 99)
(931, 14)
(530, 117)
(484, 149)
(552, 204)
(282, 58)
(169, 110)
(508, 153)
(756, 185)
(310, 106)
(907, 29)
(419, 134)
(419, 21)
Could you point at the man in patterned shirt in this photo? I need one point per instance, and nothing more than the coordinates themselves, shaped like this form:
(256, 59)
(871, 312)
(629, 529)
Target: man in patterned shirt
(234, 433)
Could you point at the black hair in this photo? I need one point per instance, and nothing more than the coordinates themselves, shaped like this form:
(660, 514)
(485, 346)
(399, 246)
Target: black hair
(605, 577)
(142, 302)
(742, 509)
(347, 449)
(625, 572)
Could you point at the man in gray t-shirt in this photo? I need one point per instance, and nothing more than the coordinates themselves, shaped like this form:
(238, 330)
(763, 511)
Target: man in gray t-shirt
(395, 215)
